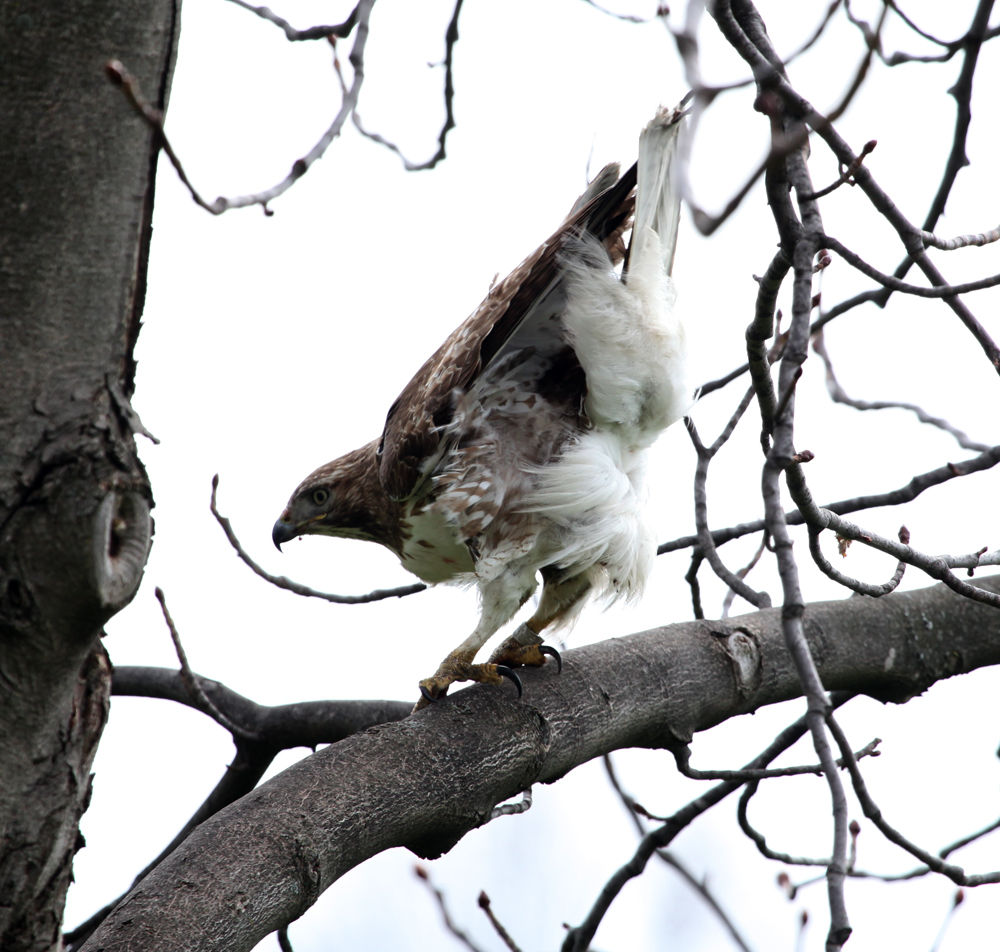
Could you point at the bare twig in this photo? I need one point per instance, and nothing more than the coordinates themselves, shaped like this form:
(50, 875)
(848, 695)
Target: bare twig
(635, 810)
(936, 566)
(761, 843)
(955, 873)
(839, 395)
(458, 933)
(282, 582)
(154, 118)
(742, 573)
(450, 38)
(342, 30)
(895, 497)
(199, 698)
(962, 241)
(782, 145)
(692, 579)
(683, 758)
(513, 809)
(888, 281)
(741, 25)
(948, 916)
(862, 588)
(578, 938)
(705, 544)
(910, 874)
(484, 904)
(626, 17)
(846, 174)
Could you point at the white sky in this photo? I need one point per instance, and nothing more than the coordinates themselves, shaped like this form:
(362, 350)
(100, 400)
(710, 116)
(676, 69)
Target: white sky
(272, 345)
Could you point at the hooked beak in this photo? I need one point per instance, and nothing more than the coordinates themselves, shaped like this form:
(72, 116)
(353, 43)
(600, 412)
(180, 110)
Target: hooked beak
(283, 532)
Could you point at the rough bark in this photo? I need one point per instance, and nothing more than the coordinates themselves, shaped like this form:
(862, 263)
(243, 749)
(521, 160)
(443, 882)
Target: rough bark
(76, 198)
(424, 782)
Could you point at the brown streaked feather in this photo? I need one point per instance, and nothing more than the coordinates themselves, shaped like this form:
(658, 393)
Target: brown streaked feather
(412, 434)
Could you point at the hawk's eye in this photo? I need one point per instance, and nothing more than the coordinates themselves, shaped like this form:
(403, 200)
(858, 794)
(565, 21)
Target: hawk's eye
(320, 496)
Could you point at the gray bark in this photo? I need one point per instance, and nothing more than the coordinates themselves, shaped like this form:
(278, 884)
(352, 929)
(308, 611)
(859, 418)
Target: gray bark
(426, 781)
(76, 196)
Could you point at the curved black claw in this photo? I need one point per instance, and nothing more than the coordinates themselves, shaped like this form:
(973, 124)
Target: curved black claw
(552, 653)
(506, 672)
(427, 694)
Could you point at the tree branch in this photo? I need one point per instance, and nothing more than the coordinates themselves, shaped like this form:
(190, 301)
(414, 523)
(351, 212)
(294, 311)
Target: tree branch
(264, 732)
(286, 583)
(425, 782)
(450, 39)
(895, 497)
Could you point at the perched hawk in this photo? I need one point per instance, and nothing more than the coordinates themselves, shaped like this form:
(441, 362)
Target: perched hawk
(519, 447)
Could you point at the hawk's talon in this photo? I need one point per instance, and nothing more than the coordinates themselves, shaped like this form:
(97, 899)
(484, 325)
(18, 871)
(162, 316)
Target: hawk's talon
(552, 653)
(506, 672)
(514, 654)
(427, 695)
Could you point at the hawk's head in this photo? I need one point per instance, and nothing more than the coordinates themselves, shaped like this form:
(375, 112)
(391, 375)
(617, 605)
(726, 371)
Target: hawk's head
(343, 498)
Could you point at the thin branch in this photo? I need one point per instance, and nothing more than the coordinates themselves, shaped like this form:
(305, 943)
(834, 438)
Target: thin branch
(692, 579)
(782, 146)
(282, 582)
(895, 497)
(910, 874)
(761, 842)
(578, 938)
(936, 566)
(955, 873)
(846, 174)
(962, 241)
(742, 573)
(626, 17)
(888, 281)
(746, 33)
(484, 904)
(956, 901)
(199, 699)
(797, 105)
(451, 38)
(682, 756)
(862, 588)
(513, 809)
(154, 119)
(634, 811)
(839, 395)
(705, 544)
(458, 933)
(343, 30)
(702, 889)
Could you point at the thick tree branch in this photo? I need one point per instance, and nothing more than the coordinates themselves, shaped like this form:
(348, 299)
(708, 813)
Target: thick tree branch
(425, 782)
(263, 732)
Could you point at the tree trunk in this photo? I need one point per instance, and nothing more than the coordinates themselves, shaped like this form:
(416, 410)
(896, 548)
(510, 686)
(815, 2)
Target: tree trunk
(425, 782)
(77, 172)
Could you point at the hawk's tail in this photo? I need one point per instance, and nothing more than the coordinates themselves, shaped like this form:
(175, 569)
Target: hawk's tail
(658, 194)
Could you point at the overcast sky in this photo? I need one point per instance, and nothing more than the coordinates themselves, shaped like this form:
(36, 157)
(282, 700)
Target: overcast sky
(272, 345)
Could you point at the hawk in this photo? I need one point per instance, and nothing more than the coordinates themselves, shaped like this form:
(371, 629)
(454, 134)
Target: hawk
(519, 446)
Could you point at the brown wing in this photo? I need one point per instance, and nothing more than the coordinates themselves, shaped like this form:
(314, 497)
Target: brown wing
(413, 426)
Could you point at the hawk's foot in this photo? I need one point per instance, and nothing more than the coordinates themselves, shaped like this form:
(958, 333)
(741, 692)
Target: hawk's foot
(512, 653)
(455, 668)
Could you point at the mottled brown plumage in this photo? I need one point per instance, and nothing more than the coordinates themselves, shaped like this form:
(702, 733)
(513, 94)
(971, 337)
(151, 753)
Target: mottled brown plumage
(518, 446)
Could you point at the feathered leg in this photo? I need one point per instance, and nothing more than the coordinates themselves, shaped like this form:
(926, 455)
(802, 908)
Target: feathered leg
(501, 598)
(560, 599)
